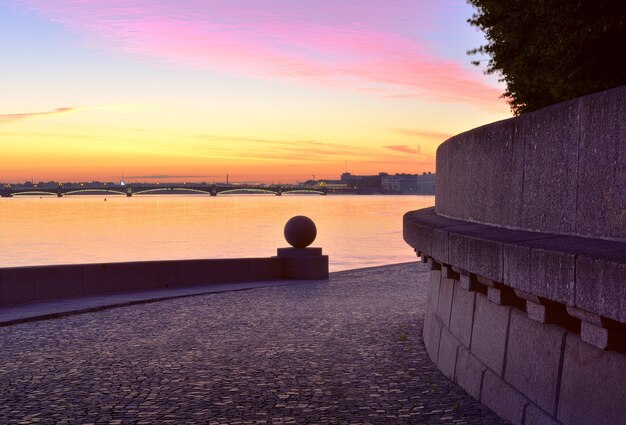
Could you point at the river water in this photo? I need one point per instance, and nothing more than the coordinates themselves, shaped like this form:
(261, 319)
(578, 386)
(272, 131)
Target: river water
(355, 231)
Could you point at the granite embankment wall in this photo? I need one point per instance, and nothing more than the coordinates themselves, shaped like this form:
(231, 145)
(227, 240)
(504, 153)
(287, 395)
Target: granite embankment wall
(22, 285)
(527, 251)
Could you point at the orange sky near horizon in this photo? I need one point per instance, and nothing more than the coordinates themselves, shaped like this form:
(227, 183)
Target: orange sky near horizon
(262, 92)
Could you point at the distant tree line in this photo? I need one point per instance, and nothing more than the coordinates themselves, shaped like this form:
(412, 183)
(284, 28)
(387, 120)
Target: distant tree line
(549, 51)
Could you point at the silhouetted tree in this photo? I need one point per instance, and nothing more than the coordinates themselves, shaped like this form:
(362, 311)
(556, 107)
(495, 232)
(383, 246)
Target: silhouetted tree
(549, 51)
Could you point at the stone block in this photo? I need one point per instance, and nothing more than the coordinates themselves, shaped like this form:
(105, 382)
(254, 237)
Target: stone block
(468, 282)
(469, 372)
(494, 295)
(93, 278)
(489, 333)
(434, 336)
(446, 359)
(594, 335)
(144, 275)
(299, 252)
(168, 274)
(440, 245)
(484, 257)
(127, 277)
(601, 287)
(457, 251)
(536, 312)
(307, 268)
(416, 232)
(550, 138)
(516, 266)
(536, 416)
(444, 307)
(533, 360)
(16, 286)
(552, 275)
(503, 399)
(433, 264)
(593, 389)
(450, 272)
(451, 186)
(428, 318)
(497, 162)
(601, 200)
(57, 282)
(478, 172)
(462, 315)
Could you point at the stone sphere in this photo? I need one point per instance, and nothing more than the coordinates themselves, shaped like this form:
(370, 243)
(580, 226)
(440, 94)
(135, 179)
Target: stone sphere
(300, 231)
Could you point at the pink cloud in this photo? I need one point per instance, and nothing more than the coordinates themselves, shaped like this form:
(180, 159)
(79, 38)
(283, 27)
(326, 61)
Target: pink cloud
(360, 45)
(9, 118)
(420, 133)
(405, 149)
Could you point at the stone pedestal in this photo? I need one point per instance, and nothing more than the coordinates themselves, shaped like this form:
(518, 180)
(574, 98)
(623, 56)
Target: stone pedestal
(304, 263)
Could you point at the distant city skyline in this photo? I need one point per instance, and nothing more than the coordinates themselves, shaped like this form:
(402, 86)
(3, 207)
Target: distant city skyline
(194, 179)
(266, 91)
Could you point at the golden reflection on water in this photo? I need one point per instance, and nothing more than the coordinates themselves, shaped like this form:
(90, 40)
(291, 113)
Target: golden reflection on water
(355, 231)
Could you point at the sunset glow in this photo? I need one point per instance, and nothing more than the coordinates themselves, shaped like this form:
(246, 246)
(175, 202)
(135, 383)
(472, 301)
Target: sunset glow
(269, 91)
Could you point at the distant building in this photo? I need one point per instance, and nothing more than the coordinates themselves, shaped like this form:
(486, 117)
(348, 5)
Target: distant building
(409, 184)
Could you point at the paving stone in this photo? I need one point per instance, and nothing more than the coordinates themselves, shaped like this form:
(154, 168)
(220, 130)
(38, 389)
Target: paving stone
(534, 353)
(489, 333)
(586, 368)
(348, 350)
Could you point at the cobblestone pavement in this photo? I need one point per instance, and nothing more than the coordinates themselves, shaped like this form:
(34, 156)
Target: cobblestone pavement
(345, 351)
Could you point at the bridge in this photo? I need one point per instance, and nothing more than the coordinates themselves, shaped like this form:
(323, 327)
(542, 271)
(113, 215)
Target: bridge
(212, 189)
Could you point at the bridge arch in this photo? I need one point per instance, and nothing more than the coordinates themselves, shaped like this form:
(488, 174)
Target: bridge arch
(244, 191)
(170, 189)
(303, 191)
(90, 190)
(33, 193)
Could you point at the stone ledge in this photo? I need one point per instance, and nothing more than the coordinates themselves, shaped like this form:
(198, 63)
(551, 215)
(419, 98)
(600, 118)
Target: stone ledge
(571, 270)
(24, 285)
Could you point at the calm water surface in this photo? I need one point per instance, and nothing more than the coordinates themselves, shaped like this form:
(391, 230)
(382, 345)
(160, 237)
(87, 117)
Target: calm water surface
(355, 231)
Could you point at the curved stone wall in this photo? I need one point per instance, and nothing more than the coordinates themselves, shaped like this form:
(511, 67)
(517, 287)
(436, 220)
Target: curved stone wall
(526, 371)
(561, 169)
(527, 250)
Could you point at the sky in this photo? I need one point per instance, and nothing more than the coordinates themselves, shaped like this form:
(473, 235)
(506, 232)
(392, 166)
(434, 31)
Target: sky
(273, 91)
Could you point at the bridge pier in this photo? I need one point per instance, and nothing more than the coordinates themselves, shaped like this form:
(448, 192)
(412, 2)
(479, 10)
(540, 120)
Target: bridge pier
(129, 191)
(213, 190)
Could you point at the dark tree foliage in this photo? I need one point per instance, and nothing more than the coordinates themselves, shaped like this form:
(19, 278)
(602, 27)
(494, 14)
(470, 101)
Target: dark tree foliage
(549, 51)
